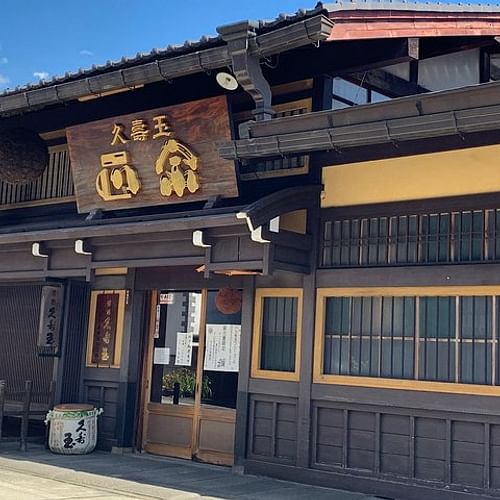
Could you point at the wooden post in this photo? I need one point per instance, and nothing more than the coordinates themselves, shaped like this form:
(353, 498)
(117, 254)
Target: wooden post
(51, 403)
(26, 414)
(52, 395)
(3, 388)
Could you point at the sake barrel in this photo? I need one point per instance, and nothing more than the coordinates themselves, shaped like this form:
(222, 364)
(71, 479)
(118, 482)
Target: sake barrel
(73, 428)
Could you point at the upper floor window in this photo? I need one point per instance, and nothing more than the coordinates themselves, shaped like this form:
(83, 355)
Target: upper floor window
(346, 93)
(402, 239)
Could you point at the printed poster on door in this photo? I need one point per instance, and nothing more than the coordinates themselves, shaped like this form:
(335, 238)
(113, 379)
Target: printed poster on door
(222, 348)
(184, 349)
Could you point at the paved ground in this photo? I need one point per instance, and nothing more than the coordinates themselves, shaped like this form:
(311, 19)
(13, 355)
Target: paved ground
(39, 474)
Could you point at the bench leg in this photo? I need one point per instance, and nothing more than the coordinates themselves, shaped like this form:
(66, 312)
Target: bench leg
(26, 415)
(3, 388)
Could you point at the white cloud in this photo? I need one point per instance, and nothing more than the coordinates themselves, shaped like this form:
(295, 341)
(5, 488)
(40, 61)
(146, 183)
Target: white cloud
(86, 52)
(3, 60)
(4, 80)
(41, 75)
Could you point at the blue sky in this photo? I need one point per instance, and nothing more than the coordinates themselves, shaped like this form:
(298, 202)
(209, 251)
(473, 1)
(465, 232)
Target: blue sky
(43, 38)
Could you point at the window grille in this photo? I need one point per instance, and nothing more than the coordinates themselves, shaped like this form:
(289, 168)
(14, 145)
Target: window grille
(443, 339)
(466, 236)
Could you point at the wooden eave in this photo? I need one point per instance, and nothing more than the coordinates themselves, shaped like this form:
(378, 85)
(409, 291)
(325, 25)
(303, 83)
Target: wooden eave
(228, 243)
(435, 114)
(109, 228)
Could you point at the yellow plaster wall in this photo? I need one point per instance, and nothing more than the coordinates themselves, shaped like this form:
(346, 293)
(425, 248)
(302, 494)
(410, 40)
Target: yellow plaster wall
(295, 221)
(433, 175)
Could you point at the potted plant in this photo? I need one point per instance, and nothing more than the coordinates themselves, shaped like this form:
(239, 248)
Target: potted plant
(186, 379)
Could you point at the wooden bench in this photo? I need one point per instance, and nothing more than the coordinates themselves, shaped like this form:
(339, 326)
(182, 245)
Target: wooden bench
(20, 405)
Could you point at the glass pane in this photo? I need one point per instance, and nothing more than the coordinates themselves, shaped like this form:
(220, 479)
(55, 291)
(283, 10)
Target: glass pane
(475, 363)
(336, 104)
(369, 336)
(437, 360)
(279, 330)
(494, 67)
(475, 331)
(378, 97)
(437, 317)
(176, 347)
(437, 334)
(398, 332)
(349, 91)
(222, 346)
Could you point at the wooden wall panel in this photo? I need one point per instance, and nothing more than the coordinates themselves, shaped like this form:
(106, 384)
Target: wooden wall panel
(460, 452)
(104, 395)
(273, 429)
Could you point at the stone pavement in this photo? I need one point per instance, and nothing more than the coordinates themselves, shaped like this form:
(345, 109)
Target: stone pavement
(39, 474)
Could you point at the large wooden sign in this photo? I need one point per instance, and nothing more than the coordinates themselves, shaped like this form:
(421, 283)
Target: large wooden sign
(155, 157)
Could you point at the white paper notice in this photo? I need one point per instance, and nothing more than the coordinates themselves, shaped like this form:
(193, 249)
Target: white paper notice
(184, 349)
(161, 356)
(222, 348)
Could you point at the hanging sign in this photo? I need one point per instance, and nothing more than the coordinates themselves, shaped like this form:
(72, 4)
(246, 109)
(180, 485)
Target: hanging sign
(222, 348)
(156, 157)
(105, 329)
(49, 329)
(166, 298)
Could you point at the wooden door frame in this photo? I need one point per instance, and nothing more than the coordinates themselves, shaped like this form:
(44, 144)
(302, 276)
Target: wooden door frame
(197, 412)
(145, 381)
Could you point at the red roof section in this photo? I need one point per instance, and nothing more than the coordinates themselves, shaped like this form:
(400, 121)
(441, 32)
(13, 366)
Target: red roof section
(364, 24)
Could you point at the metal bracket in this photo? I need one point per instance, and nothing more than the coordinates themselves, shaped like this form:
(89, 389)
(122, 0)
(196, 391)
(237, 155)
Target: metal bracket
(39, 250)
(81, 248)
(198, 239)
(256, 232)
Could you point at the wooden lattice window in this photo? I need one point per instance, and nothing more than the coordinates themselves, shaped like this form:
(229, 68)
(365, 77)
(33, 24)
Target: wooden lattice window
(277, 333)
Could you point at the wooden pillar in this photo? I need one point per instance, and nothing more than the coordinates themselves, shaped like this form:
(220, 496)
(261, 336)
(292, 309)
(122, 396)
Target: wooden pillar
(129, 377)
(25, 418)
(242, 403)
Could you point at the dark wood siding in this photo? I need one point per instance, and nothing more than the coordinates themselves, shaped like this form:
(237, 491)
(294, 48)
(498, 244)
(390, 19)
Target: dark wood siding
(19, 360)
(75, 333)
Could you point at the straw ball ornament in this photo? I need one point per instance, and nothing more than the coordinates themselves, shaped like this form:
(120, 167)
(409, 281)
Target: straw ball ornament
(23, 156)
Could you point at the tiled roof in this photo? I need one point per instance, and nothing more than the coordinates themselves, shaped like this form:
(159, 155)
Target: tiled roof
(205, 42)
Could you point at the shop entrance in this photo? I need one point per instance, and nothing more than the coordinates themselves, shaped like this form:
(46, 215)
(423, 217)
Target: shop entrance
(191, 374)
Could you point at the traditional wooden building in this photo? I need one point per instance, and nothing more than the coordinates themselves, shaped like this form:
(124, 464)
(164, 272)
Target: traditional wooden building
(278, 248)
